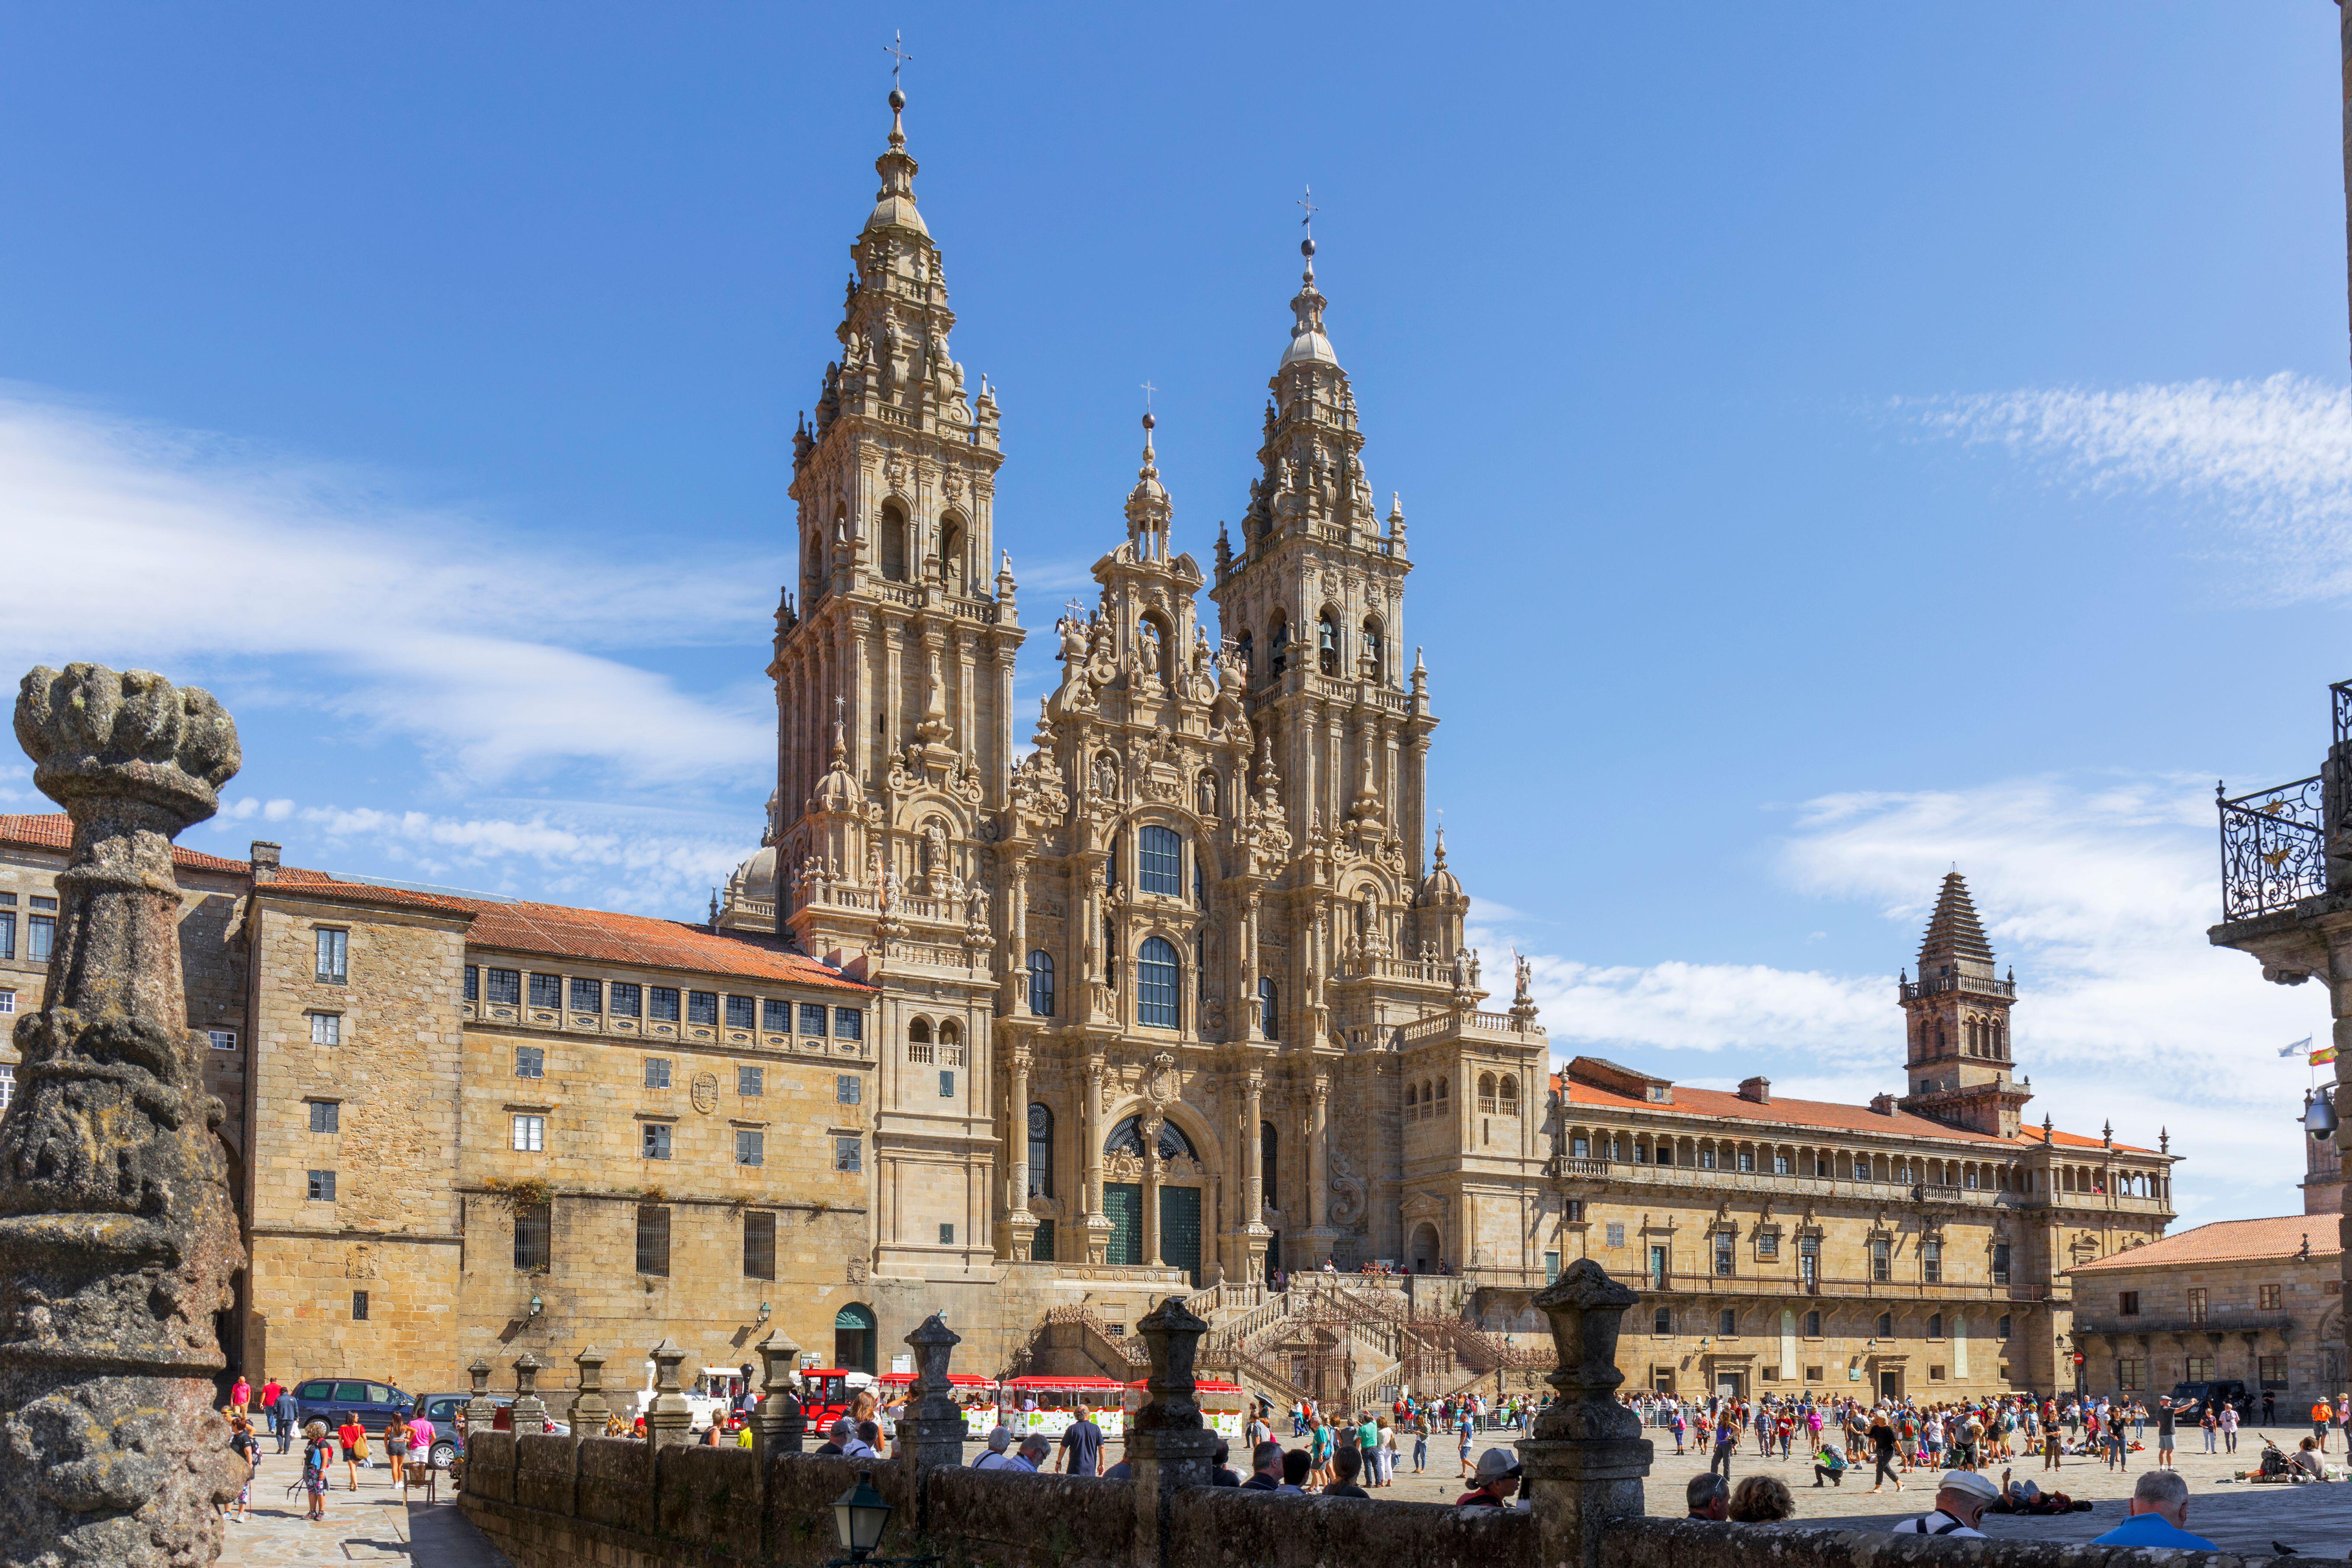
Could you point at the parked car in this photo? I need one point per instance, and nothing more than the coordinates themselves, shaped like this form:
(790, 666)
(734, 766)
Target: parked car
(2227, 1391)
(373, 1405)
(445, 1410)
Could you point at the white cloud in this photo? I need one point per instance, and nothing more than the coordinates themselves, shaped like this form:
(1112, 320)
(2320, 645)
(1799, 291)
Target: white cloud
(2273, 457)
(309, 583)
(2098, 891)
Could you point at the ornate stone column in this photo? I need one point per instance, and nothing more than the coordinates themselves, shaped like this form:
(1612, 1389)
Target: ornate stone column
(529, 1410)
(588, 1411)
(117, 1237)
(1318, 1180)
(1096, 1223)
(1168, 1444)
(1153, 1166)
(779, 1426)
(1587, 1459)
(1019, 1222)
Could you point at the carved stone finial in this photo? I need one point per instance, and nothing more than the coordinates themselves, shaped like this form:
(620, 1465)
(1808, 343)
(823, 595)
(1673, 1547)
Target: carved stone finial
(1171, 1336)
(117, 1237)
(938, 1423)
(589, 1409)
(669, 1417)
(779, 1424)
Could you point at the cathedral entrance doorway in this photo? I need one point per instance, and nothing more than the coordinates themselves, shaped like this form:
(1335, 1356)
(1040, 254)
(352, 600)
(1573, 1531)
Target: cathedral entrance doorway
(1425, 1253)
(853, 1338)
(1123, 1204)
(1179, 1230)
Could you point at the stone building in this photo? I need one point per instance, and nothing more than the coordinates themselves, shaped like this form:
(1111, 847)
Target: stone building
(2261, 1300)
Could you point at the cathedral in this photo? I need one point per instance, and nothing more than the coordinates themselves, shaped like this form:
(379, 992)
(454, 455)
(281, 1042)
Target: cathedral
(1171, 981)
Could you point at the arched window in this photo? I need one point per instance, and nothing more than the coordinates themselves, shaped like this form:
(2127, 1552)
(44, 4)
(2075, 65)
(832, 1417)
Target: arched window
(1412, 1098)
(1277, 640)
(853, 1338)
(1041, 1152)
(1327, 643)
(1440, 1094)
(894, 543)
(1158, 1001)
(1266, 1146)
(1507, 1095)
(813, 583)
(1269, 1009)
(1159, 861)
(1247, 650)
(919, 1040)
(1487, 1087)
(951, 1044)
(1372, 664)
(952, 541)
(1041, 985)
(1127, 1138)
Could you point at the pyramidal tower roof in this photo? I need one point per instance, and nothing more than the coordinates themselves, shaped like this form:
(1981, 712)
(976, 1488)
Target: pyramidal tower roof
(1953, 931)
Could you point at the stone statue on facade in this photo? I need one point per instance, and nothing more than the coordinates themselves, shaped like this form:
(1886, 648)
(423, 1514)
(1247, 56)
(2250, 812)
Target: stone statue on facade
(118, 1241)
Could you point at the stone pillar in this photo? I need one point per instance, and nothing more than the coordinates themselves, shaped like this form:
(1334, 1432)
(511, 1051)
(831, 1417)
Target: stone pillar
(109, 1448)
(588, 1411)
(1096, 1223)
(1255, 1008)
(778, 1425)
(668, 1419)
(479, 1411)
(931, 1410)
(1168, 1444)
(1152, 1166)
(1018, 1220)
(1585, 1463)
(529, 1410)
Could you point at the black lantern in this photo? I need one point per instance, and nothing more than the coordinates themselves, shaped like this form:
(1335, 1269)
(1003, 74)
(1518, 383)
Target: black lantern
(859, 1514)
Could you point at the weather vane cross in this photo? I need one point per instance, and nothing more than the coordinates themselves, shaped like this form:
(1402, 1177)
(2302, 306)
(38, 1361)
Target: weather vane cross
(1306, 204)
(898, 56)
(1148, 390)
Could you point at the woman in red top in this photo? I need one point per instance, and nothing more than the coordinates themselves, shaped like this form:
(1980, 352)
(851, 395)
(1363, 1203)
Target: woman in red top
(354, 1438)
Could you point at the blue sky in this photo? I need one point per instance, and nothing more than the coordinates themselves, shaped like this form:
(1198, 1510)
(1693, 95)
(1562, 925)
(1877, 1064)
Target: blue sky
(1836, 443)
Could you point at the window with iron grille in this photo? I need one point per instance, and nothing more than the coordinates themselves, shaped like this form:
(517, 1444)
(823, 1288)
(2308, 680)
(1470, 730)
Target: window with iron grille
(626, 998)
(359, 1306)
(776, 1017)
(531, 1239)
(664, 1005)
(759, 1245)
(702, 1006)
(506, 986)
(653, 1240)
(547, 990)
(530, 1061)
(751, 1080)
(587, 996)
(334, 951)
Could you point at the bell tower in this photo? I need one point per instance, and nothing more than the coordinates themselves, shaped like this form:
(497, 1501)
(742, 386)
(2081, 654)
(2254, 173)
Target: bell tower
(1957, 1020)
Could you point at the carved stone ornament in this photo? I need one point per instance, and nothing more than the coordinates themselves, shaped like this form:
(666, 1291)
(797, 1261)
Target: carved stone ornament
(1159, 1083)
(856, 1271)
(705, 1092)
(117, 1237)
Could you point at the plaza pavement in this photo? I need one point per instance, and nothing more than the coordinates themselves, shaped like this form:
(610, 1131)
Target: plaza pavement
(371, 1525)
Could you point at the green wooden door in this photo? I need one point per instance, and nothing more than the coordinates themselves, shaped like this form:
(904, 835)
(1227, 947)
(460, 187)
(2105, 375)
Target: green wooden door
(1123, 1203)
(1179, 1230)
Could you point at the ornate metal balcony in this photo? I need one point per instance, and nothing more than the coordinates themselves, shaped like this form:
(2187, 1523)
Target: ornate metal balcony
(2274, 842)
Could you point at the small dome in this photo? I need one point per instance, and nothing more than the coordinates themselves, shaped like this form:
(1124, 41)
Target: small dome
(1311, 346)
(897, 212)
(1439, 887)
(755, 878)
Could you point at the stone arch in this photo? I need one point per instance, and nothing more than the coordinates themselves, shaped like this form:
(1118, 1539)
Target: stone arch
(894, 547)
(1371, 662)
(1329, 645)
(1426, 1252)
(955, 550)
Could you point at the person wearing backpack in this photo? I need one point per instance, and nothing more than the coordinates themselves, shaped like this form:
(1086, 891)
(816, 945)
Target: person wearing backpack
(316, 1456)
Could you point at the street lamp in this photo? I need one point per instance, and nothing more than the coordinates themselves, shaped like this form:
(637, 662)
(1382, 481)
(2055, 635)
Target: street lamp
(537, 1306)
(858, 1515)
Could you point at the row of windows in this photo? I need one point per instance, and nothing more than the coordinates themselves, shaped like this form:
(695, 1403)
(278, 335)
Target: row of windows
(1724, 1250)
(1709, 1154)
(1157, 978)
(534, 1240)
(2131, 1372)
(628, 999)
(40, 927)
(1727, 1324)
(2267, 1299)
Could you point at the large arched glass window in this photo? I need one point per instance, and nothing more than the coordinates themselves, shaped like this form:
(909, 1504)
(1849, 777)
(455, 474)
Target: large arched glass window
(1269, 1013)
(894, 543)
(1158, 997)
(1127, 1138)
(1327, 643)
(1266, 1144)
(1041, 983)
(1159, 861)
(1041, 1152)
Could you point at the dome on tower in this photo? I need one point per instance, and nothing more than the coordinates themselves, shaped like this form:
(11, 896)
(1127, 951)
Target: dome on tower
(1309, 345)
(1441, 886)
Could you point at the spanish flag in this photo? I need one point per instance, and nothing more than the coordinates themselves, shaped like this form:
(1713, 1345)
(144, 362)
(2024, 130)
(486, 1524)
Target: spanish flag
(2325, 1054)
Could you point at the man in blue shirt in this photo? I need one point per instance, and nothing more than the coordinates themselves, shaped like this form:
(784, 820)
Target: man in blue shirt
(2160, 1508)
(1082, 1445)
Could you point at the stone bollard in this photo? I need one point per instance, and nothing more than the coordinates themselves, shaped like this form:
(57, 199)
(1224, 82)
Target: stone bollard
(1585, 1463)
(117, 1237)
(931, 1409)
(480, 1410)
(529, 1410)
(668, 1419)
(1168, 1444)
(778, 1425)
(589, 1412)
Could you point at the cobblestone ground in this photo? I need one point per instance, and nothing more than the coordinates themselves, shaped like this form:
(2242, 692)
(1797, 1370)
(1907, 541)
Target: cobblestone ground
(370, 1525)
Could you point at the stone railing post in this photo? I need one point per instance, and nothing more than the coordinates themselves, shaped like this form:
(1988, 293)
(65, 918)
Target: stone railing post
(588, 1411)
(1168, 1444)
(778, 1424)
(931, 1410)
(529, 1410)
(117, 1236)
(1585, 1463)
(668, 1419)
(479, 1410)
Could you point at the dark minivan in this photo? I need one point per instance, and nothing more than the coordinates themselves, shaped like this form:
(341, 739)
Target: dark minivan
(2227, 1391)
(373, 1404)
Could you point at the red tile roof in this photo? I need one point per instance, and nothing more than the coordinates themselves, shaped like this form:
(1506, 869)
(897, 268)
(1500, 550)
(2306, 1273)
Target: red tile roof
(54, 830)
(2227, 1241)
(1723, 1105)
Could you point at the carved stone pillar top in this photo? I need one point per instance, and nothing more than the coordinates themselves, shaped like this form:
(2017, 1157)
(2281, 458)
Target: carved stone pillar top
(779, 1424)
(589, 1410)
(526, 1370)
(669, 1417)
(1172, 1337)
(937, 1421)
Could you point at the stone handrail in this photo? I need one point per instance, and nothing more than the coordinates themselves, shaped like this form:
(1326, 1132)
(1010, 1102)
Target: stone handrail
(1109, 1348)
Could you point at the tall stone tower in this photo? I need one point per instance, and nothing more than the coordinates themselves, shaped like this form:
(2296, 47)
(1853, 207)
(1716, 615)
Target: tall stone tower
(1312, 604)
(894, 691)
(1957, 1015)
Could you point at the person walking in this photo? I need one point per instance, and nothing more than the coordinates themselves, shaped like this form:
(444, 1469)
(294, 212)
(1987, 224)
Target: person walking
(240, 1395)
(396, 1450)
(2229, 1427)
(1420, 1441)
(287, 1411)
(247, 1450)
(353, 1439)
(316, 1456)
(2270, 1406)
(1882, 1446)
(1081, 1445)
(2320, 1416)
(1726, 1443)
(2212, 1429)
(1469, 1471)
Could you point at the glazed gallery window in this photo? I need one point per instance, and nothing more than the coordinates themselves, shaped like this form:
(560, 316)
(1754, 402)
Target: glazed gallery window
(742, 1012)
(473, 988)
(1159, 857)
(530, 1061)
(750, 1146)
(332, 951)
(655, 1143)
(750, 1082)
(531, 1134)
(532, 1249)
(326, 1028)
(664, 1005)
(776, 1017)
(1159, 996)
(627, 998)
(813, 1019)
(653, 1240)
(848, 1023)
(702, 1006)
(547, 991)
(505, 987)
(587, 996)
(1041, 985)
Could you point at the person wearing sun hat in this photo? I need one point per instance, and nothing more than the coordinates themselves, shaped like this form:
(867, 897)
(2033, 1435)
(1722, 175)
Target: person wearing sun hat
(1498, 1477)
(1961, 1498)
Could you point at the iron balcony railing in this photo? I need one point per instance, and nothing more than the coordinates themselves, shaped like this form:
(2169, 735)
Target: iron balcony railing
(2275, 841)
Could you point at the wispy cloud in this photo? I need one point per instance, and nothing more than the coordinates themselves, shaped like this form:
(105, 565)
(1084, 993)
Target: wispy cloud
(306, 583)
(2272, 459)
(2097, 890)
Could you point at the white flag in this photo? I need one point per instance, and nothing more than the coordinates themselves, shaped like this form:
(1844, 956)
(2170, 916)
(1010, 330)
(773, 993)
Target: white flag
(2301, 1044)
